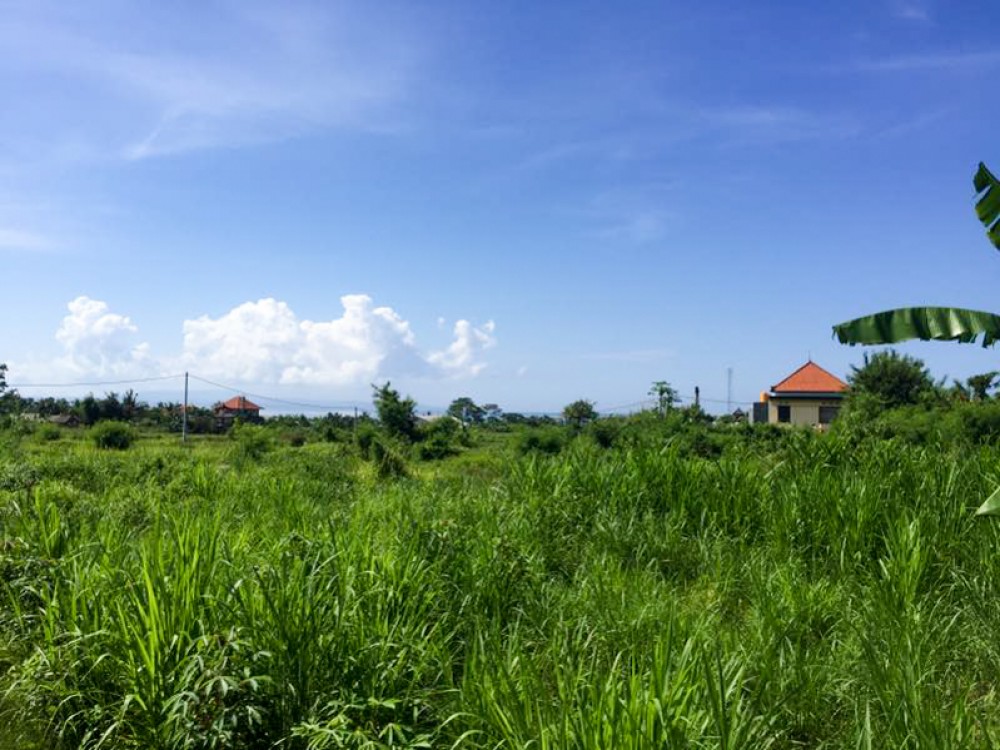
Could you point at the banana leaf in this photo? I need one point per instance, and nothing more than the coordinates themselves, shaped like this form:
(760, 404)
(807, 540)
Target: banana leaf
(988, 203)
(992, 505)
(926, 323)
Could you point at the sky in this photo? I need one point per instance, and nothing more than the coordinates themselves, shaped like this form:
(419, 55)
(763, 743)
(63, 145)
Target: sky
(524, 203)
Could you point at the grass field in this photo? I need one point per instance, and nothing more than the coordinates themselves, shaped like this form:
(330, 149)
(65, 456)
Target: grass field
(815, 593)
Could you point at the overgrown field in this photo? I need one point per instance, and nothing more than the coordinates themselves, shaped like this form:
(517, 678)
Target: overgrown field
(816, 592)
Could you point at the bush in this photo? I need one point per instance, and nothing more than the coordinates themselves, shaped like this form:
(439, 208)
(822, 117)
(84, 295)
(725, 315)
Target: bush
(548, 440)
(437, 439)
(364, 438)
(47, 432)
(605, 432)
(112, 435)
(250, 442)
(389, 462)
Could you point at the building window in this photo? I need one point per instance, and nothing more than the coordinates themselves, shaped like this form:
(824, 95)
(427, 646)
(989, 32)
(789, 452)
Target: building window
(785, 414)
(827, 414)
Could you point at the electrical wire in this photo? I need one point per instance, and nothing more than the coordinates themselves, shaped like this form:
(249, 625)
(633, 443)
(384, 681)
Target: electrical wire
(95, 383)
(262, 397)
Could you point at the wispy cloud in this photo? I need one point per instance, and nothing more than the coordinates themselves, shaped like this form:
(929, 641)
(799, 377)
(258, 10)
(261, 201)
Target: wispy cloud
(940, 61)
(911, 10)
(771, 124)
(21, 239)
(256, 75)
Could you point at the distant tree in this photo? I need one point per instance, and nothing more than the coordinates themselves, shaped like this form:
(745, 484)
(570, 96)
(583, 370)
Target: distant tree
(980, 385)
(88, 409)
(492, 413)
(397, 415)
(579, 413)
(111, 407)
(466, 411)
(7, 396)
(130, 404)
(665, 396)
(890, 379)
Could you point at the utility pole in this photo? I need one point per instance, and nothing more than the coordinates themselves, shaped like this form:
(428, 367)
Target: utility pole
(184, 415)
(697, 397)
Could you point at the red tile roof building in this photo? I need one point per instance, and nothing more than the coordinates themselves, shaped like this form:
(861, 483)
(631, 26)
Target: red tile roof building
(238, 403)
(238, 407)
(810, 379)
(810, 396)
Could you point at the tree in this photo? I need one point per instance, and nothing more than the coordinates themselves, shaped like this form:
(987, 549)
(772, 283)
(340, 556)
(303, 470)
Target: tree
(665, 396)
(940, 323)
(466, 411)
(7, 396)
(579, 413)
(980, 385)
(397, 415)
(891, 379)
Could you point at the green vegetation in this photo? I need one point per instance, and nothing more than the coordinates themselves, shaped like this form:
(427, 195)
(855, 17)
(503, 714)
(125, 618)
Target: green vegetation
(643, 582)
(937, 323)
(112, 435)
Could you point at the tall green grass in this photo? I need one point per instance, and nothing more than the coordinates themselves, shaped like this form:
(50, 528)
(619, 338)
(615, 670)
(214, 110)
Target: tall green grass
(810, 592)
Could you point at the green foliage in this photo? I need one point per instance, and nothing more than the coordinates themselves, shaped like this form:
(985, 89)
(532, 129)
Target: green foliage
(364, 437)
(988, 202)
(980, 385)
(112, 435)
(439, 439)
(388, 459)
(396, 415)
(579, 413)
(605, 432)
(544, 440)
(466, 411)
(888, 380)
(46, 432)
(793, 590)
(666, 396)
(936, 323)
(248, 442)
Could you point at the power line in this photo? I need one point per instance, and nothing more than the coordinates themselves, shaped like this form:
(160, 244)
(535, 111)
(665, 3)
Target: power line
(262, 397)
(95, 383)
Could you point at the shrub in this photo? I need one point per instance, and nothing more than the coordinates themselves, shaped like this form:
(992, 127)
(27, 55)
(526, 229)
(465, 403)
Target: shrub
(389, 462)
(437, 439)
(250, 442)
(605, 432)
(47, 432)
(112, 435)
(548, 440)
(365, 436)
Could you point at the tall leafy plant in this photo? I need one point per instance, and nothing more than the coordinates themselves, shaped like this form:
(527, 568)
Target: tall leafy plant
(940, 323)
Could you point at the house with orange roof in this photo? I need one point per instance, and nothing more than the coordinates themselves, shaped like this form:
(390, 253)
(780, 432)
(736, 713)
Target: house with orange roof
(238, 407)
(810, 396)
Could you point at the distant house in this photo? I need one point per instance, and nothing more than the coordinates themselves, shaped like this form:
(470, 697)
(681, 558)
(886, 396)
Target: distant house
(64, 420)
(238, 407)
(809, 396)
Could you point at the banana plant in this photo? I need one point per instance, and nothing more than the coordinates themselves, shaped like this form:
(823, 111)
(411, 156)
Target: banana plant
(940, 323)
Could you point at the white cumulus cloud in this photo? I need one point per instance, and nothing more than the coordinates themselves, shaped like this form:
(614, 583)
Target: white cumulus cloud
(264, 341)
(99, 342)
(462, 356)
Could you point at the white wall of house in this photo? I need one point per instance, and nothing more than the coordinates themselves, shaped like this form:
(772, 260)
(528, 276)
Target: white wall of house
(803, 412)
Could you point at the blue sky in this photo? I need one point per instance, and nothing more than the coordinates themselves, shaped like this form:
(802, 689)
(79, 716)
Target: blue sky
(526, 203)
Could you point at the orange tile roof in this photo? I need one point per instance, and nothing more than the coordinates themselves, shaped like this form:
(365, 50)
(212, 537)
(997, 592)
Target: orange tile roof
(240, 403)
(810, 378)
